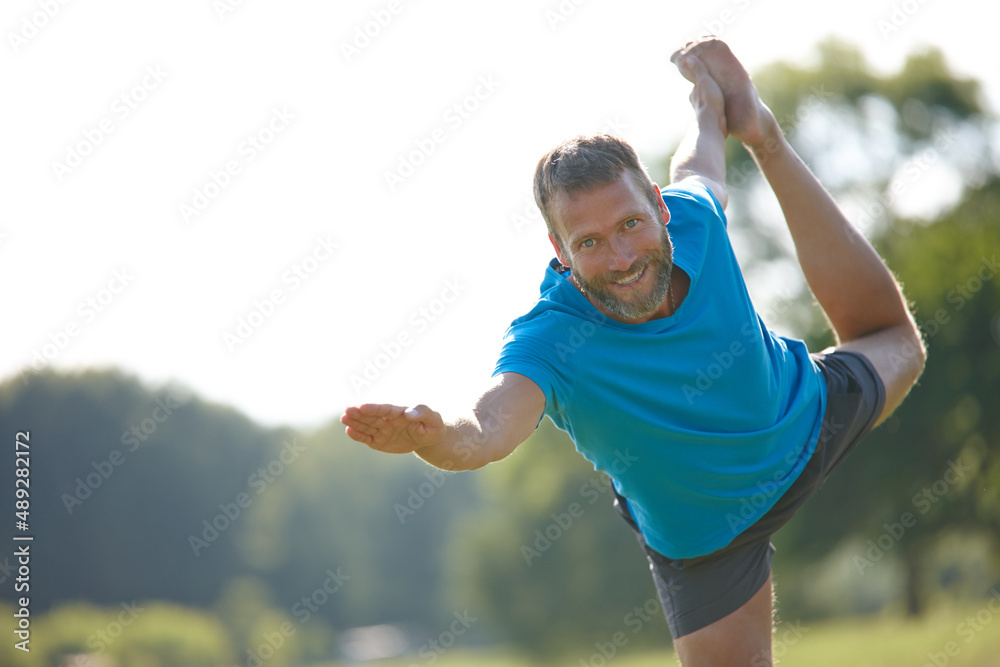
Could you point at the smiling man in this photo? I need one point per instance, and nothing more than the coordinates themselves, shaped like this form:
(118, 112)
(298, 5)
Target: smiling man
(729, 427)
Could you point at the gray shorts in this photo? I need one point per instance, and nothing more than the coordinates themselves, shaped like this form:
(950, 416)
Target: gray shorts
(696, 592)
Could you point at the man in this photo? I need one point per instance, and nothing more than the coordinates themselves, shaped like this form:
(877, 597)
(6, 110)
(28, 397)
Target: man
(732, 427)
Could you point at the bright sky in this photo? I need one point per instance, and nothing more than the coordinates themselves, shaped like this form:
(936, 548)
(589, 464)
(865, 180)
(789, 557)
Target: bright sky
(198, 190)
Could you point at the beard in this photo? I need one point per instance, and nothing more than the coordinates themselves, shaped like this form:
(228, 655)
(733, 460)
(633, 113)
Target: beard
(659, 262)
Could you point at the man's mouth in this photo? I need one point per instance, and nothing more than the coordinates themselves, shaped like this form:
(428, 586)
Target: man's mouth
(631, 279)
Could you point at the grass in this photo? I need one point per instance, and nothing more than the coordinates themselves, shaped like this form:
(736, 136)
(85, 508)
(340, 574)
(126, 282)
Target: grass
(945, 638)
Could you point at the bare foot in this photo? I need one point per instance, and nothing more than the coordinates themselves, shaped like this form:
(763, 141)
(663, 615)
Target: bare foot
(747, 118)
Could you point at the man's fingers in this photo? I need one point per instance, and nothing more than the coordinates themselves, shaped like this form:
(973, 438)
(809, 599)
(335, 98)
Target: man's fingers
(384, 410)
(362, 427)
(358, 436)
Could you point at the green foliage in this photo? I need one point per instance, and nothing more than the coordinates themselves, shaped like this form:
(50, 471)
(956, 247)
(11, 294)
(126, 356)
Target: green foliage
(134, 635)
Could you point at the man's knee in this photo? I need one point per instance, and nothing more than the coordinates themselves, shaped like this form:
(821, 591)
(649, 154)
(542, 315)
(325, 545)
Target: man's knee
(741, 638)
(898, 356)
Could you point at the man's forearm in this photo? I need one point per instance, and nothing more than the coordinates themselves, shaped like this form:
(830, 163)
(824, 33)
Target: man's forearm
(466, 445)
(503, 417)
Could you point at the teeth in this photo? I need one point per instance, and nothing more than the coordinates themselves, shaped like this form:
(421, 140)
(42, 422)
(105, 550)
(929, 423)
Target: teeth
(629, 279)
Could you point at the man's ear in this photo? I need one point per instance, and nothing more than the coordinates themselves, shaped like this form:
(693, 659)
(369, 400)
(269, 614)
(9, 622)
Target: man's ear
(559, 251)
(664, 211)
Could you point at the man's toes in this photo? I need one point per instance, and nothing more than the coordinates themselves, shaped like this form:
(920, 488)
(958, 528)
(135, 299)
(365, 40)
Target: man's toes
(727, 71)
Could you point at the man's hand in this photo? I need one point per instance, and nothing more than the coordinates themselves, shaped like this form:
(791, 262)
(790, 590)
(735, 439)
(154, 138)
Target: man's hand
(392, 428)
(503, 417)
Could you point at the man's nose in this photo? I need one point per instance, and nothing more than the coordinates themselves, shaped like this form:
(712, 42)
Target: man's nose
(623, 255)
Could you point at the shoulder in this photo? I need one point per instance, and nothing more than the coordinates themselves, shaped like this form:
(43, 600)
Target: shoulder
(690, 197)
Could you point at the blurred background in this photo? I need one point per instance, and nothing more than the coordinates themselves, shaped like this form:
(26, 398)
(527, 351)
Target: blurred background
(224, 221)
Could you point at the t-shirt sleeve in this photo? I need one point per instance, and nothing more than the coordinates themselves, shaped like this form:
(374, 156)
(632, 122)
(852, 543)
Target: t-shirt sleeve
(530, 354)
(691, 198)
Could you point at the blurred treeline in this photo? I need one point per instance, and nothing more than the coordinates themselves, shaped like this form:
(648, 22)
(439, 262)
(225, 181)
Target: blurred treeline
(171, 531)
(170, 526)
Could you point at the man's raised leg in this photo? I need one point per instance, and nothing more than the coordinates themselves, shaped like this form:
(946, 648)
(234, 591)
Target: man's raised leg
(858, 293)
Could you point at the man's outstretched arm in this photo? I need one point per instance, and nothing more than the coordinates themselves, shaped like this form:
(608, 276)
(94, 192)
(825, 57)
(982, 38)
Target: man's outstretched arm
(503, 417)
(858, 293)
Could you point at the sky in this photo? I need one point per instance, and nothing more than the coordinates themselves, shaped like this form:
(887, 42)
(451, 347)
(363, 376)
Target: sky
(294, 207)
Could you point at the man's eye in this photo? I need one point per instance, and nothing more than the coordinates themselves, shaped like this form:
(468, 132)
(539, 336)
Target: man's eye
(631, 223)
(589, 243)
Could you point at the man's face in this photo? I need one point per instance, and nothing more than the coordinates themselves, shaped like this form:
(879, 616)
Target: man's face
(617, 246)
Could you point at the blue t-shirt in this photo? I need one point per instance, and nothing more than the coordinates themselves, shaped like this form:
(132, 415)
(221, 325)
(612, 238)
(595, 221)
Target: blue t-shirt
(702, 419)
